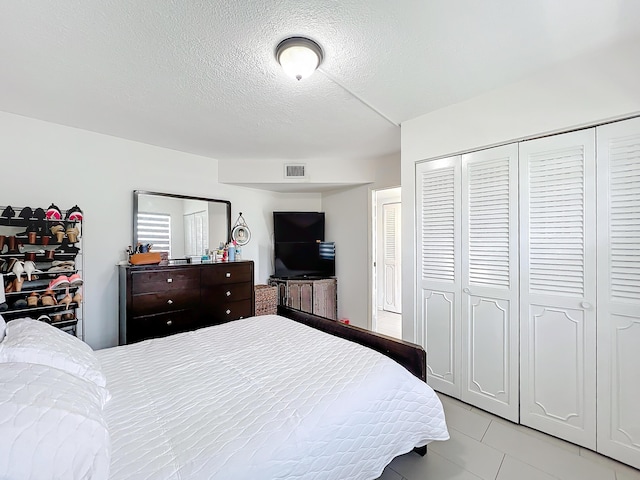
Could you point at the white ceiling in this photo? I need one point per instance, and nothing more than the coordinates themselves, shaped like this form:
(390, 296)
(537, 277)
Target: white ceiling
(201, 77)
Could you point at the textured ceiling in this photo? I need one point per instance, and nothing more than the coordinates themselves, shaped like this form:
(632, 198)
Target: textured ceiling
(200, 76)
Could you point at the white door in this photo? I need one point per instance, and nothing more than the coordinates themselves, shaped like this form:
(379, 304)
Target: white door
(619, 291)
(558, 286)
(438, 270)
(490, 280)
(392, 277)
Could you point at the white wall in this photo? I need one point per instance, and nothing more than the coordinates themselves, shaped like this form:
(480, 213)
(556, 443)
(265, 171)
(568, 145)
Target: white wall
(349, 224)
(44, 162)
(592, 89)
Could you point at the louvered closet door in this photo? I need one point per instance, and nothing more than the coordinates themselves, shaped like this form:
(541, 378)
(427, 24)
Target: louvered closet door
(490, 280)
(558, 286)
(438, 270)
(619, 291)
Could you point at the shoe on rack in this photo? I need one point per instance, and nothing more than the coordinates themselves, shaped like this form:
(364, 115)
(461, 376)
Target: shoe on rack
(72, 233)
(3, 238)
(39, 214)
(66, 300)
(12, 243)
(30, 268)
(58, 282)
(74, 213)
(8, 212)
(16, 267)
(53, 213)
(20, 303)
(26, 213)
(45, 318)
(48, 299)
(33, 299)
(77, 298)
(75, 280)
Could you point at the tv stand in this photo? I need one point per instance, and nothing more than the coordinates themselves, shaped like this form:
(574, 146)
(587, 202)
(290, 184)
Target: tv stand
(312, 295)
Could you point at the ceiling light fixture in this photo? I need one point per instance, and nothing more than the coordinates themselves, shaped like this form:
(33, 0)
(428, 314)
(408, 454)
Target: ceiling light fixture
(299, 56)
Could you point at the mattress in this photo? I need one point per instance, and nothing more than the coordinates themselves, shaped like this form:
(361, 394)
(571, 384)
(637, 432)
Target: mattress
(261, 398)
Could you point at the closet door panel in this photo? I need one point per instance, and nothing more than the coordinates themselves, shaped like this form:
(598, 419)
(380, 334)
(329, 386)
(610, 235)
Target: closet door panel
(490, 280)
(619, 290)
(558, 286)
(438, 270)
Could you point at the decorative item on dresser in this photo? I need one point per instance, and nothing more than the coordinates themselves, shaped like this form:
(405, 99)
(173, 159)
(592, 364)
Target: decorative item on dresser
(156, 301)
(41, 265)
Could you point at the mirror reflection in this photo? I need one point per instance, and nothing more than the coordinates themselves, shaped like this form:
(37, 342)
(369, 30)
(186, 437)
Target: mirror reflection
(180, 225)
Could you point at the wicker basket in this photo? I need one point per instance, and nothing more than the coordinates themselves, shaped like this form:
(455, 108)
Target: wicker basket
(266, 300)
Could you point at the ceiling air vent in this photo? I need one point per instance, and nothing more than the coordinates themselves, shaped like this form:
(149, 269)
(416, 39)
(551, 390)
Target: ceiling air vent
(295, 171)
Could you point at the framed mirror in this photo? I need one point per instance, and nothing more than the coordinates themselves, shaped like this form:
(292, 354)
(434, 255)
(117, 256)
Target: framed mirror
(181, 225)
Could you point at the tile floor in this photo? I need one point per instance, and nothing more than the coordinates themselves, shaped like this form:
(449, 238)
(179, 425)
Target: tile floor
(389, 323)
(486, 447)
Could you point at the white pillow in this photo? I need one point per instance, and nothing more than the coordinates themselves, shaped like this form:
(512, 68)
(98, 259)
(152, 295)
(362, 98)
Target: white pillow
(32, 341)
(51, 425)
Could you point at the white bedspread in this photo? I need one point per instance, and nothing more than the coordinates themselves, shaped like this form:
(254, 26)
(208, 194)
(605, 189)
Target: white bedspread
(261, 398)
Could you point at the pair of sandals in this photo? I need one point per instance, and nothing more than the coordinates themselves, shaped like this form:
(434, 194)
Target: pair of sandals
(73, 214)
(63, 281)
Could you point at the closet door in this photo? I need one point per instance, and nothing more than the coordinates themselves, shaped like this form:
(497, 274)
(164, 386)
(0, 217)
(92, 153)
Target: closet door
(619, 290)
(490, 280)
(558, 286)
(438, 270)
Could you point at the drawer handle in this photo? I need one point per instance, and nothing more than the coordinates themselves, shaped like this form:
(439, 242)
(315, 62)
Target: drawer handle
(169, 280)
(169, 322)
(228, 275)
(228, 312)
(228, 294)
(169, 301)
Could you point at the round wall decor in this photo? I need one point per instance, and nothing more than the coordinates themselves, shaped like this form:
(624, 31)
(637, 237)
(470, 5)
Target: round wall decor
(240, 232)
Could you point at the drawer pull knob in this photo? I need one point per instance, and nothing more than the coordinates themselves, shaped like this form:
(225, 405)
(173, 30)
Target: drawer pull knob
(169, 322)
(169, 302)
(228, 294)
(228, 275)
(169, 280)
(228, 312)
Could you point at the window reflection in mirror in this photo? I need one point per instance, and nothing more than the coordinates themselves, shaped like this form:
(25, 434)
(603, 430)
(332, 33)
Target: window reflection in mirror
(180, 225)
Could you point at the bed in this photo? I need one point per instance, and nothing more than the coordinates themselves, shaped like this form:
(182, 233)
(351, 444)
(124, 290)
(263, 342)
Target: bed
(266, 397)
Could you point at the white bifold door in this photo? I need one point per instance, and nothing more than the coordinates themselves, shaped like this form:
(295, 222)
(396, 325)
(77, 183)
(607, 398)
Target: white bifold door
(558, 288)
(468, 276)
(619, 291)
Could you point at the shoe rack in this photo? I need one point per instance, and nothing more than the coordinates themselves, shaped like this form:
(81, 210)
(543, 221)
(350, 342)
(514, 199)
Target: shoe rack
(41, 266)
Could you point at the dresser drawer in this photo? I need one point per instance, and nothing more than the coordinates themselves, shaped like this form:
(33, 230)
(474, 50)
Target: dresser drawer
(155, 326)
(151, 303)
(229, 273)
(162, 280)
(227, 293)
(231, 311)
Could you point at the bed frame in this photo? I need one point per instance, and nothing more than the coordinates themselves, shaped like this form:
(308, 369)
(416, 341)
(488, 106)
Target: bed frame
(410, 356)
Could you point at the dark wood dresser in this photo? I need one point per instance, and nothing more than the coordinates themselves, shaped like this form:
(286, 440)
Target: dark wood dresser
(156, 301)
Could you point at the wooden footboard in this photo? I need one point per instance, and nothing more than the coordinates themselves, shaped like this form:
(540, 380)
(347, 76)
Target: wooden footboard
(409, 355)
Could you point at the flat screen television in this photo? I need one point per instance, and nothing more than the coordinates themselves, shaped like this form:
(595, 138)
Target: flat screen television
(304, 260)
(300, 250)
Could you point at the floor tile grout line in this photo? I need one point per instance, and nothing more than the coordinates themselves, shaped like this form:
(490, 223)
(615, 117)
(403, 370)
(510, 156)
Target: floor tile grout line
(504, 455)
(485, 431)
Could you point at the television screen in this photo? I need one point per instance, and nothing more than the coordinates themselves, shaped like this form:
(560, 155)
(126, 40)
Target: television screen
(304, 259)
(298, 226)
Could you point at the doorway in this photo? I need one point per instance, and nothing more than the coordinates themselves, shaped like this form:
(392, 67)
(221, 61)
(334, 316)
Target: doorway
(387, 265)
